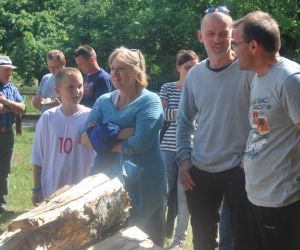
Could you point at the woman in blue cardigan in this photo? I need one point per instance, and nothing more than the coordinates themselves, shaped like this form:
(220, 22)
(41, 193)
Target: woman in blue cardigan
(131, 105)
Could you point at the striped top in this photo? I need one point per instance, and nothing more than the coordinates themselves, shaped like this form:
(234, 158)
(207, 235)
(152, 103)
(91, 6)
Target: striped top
(170, 93)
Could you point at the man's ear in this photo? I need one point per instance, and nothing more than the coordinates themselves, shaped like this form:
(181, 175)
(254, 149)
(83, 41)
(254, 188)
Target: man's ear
(199, 35)
(253, 45)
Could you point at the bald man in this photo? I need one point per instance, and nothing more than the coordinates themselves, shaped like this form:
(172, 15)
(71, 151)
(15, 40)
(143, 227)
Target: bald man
(216, 94)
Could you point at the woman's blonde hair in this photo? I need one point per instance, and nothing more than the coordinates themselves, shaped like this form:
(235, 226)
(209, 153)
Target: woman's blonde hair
(134, 59)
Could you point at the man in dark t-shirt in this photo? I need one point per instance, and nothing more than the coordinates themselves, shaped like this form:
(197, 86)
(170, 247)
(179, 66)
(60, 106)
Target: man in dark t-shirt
(96, 81)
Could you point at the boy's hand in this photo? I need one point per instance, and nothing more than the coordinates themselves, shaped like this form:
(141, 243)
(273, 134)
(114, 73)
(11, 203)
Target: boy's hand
(36, 198)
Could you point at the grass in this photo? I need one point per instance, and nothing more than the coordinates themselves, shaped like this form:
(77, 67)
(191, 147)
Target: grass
(20, 183)
(20, 178)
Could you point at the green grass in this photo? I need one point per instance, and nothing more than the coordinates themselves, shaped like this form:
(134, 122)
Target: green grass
(20, 178)
(20, 183)
(29, 107)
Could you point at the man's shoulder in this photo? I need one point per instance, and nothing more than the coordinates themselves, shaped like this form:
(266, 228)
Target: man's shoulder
(103, 74)
(10, 85)
(99, 76)
(47, 78)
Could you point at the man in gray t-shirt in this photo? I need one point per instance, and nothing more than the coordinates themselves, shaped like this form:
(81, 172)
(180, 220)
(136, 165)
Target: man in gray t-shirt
(216, 94)
(272, 159)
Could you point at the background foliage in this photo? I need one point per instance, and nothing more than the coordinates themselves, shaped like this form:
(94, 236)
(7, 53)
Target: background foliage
(160, 28)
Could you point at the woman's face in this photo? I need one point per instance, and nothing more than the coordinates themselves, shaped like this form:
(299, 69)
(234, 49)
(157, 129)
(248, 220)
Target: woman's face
(184, 68)
(123, 76)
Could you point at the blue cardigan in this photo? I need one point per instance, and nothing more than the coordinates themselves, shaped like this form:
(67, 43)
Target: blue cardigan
(145, 115)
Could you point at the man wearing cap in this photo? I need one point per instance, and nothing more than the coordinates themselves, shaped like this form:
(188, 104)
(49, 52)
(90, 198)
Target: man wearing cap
(46, 95)
(11, 103)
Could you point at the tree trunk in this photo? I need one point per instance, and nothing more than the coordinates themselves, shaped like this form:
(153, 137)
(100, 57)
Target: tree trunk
(72, 218)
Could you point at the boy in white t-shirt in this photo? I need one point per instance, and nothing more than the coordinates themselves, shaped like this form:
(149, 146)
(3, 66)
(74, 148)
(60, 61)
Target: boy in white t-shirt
(58, 157)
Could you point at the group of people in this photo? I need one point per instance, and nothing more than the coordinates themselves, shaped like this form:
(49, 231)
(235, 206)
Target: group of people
(231, 142)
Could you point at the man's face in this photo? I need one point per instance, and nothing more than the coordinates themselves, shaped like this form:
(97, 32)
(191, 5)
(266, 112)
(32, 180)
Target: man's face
(216, 35)
(54, 66)
(83, 64)
(5, 74)
(242, 49)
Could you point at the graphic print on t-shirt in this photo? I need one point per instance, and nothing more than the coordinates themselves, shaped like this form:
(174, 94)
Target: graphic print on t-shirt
(260, 125)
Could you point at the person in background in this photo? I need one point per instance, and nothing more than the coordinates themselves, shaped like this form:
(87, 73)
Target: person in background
(58, 157)
(170, 94)
(11, 103)
(96, 80)
(272, 158)
(46, 97)
(131, 105)
(216, 95)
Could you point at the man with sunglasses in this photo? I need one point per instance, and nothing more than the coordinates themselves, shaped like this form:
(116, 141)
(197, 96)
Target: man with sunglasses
(216, 94)
(96, 81)
(272, 158)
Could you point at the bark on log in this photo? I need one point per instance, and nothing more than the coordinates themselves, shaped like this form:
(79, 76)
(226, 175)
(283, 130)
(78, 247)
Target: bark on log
(128, 239)
(72, 218)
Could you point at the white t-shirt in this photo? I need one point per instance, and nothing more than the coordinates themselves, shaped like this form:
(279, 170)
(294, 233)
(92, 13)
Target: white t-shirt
(57, 150)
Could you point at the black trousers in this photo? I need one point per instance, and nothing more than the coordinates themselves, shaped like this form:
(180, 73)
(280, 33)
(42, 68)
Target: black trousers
(204, 203)
(6, 151)
(275, 228)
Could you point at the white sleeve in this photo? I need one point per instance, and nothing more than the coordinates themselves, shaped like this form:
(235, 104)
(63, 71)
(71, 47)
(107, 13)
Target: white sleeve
(37, 148)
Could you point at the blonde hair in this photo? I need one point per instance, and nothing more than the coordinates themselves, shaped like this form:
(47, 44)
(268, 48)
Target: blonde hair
(66, 72)
(134, 59)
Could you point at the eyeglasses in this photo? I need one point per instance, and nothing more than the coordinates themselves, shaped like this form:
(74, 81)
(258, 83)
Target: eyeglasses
(222, 9)
(235, 45)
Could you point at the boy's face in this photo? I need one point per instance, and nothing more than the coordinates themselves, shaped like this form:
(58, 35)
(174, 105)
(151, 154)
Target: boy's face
(70, 89)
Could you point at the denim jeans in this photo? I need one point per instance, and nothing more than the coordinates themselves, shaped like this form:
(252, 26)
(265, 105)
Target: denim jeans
(205, 201)
(183, 217)
(172, 176)
(226, 241)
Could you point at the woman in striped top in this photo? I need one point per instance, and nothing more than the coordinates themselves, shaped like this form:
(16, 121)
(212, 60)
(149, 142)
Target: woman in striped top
(170, 95)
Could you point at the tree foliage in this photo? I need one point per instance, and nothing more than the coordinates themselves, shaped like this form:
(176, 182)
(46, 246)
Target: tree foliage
(160, 28)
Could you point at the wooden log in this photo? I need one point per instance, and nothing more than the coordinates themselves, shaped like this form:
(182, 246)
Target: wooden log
(128, 239)
(73, 217)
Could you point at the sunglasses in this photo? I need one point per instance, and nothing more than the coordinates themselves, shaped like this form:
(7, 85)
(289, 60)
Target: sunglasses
(139, 53)
(222, 9)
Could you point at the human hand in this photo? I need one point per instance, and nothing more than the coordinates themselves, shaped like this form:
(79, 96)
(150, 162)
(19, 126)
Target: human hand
(185, 177)
(36, 102)
(125, 133)
(2, 98)
(36, 198)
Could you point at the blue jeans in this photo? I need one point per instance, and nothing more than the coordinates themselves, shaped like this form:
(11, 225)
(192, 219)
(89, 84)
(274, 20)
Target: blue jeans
(172, 177)
(225, 235)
